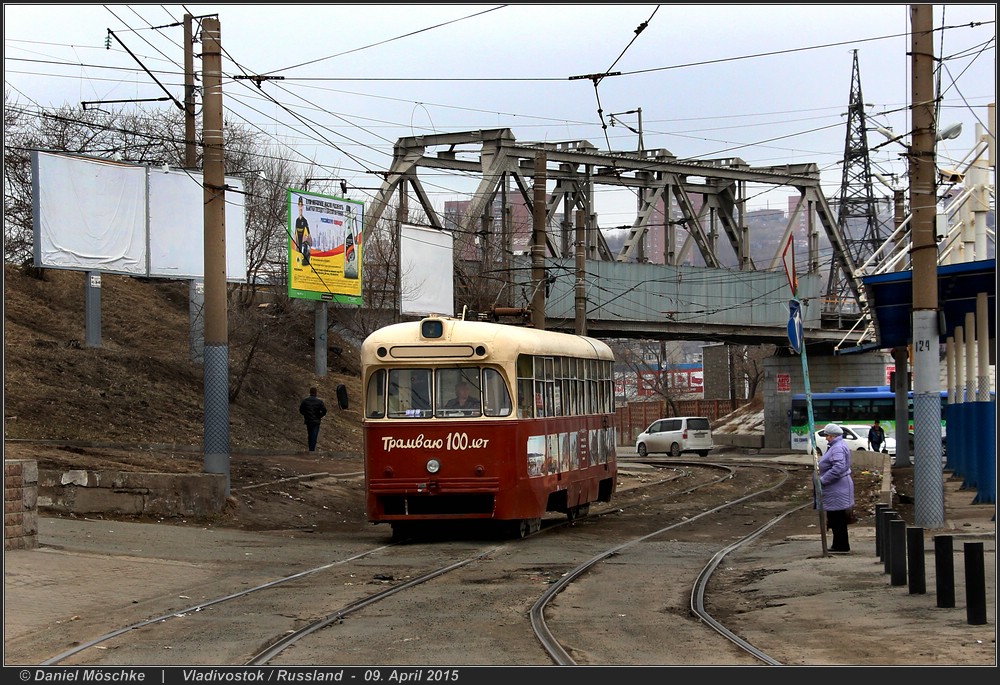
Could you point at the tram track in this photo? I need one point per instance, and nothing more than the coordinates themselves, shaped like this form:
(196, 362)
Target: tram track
(445, 569)
(561, 656)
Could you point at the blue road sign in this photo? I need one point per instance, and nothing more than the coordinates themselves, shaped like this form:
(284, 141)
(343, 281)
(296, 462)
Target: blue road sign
(795, 325)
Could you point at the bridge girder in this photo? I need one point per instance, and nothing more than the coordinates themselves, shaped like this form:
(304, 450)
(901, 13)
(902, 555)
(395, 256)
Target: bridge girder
(575, 167)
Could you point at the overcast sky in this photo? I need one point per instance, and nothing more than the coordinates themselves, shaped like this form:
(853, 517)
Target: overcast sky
(767, 83)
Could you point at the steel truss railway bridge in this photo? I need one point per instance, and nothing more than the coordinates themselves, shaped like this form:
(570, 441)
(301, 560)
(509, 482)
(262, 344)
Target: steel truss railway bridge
(702, 203)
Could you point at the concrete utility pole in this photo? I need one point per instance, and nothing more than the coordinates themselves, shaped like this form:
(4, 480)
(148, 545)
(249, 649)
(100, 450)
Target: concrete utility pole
(190, 148)
(928, 478)
(216, 381)
(196, 287)
(901, 357)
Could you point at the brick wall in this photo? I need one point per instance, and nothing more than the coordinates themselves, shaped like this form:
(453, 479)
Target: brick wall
(20, 504)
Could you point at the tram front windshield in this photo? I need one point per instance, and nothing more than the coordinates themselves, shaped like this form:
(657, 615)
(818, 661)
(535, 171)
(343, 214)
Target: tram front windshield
(453, 392)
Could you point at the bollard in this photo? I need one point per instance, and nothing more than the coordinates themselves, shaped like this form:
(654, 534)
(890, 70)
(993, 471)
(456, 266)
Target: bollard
(975, 584)
(944, 569)
(887, 516)
(897, 553)
(879, 508)
(915, 556)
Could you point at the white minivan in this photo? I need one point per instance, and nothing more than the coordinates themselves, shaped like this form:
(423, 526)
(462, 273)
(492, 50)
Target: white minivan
(676, 435)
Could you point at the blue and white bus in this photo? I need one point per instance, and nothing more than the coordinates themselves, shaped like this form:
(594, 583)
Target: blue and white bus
(851, 406)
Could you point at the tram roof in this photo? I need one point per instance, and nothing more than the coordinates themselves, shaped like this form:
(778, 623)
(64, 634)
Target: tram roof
(526, 340)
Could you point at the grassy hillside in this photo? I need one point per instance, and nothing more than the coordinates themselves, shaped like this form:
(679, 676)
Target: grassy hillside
(141, 386)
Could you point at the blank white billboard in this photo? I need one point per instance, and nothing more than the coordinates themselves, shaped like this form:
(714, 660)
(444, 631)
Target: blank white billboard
(177, 226)
(100, 215)
(426, 282)
(89, 214)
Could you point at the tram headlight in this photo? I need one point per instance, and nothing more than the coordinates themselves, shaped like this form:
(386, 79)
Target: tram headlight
(433, 466)
(431, 328)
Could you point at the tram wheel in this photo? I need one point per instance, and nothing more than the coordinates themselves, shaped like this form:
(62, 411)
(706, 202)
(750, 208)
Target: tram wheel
(579, 512)
(522, 528)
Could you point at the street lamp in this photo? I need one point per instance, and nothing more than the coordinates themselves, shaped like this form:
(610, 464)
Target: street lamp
(950, 132)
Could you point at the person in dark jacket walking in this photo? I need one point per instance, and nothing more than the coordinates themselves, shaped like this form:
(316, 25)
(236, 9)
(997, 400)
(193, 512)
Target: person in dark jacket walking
(876, 437)
(313, 410)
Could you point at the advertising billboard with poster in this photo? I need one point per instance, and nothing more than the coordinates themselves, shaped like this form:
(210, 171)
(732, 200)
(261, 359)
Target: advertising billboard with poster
(324, 247)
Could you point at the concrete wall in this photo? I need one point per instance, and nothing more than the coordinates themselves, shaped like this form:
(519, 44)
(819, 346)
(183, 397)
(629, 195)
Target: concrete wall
(738, 440)
(715, 371)
(20, 513)
(825, 374)
(121, 492)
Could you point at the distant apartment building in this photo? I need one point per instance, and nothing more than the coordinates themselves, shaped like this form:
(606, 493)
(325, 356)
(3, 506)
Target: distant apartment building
(521, 225)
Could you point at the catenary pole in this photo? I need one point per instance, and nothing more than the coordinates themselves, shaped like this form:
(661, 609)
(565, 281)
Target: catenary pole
(216, 365)
(928, 476)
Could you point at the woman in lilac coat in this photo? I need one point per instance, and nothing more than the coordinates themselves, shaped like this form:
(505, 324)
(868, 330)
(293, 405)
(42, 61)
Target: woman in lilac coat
(837, 486)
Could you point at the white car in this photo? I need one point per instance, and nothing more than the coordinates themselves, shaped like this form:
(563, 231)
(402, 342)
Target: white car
(676, 435)
(856, 438)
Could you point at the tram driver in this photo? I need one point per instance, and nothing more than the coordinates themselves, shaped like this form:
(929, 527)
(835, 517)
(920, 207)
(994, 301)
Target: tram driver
(464, 399)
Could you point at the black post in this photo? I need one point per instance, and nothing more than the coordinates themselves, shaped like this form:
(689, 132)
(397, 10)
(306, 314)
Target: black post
(975, 584)
(888, 516)
(879, 508)
(897, 552)
(944, 570)
(915, 555)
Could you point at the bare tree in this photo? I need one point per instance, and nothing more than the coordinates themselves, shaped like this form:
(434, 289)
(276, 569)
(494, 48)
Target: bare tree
(383, 291)
(646, 359)
(748, 365)
(156, 138)
(482, 264)
(266, 176)
(152, 138)
(17, 144)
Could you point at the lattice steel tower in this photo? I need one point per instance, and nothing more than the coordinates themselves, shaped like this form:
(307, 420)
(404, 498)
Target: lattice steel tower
(857, 216)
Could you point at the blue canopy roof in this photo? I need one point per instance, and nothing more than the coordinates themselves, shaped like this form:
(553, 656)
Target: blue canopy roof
(891, 299)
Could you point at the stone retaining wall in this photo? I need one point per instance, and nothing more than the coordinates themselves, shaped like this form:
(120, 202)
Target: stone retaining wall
(748, 441)
(20, 498)
(123, 492)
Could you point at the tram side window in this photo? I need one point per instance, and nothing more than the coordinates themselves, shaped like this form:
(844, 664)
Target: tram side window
(548, 389)
(591, 386)
(496, 397)
(550, 384)
(603, 388)
(598, 388)
(525, 386)
(559, 373)
(375, 396)
(580, 387)
(525, 396)
(539, 391)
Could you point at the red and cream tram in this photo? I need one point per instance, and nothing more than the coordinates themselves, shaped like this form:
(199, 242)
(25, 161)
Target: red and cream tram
(478, 420)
